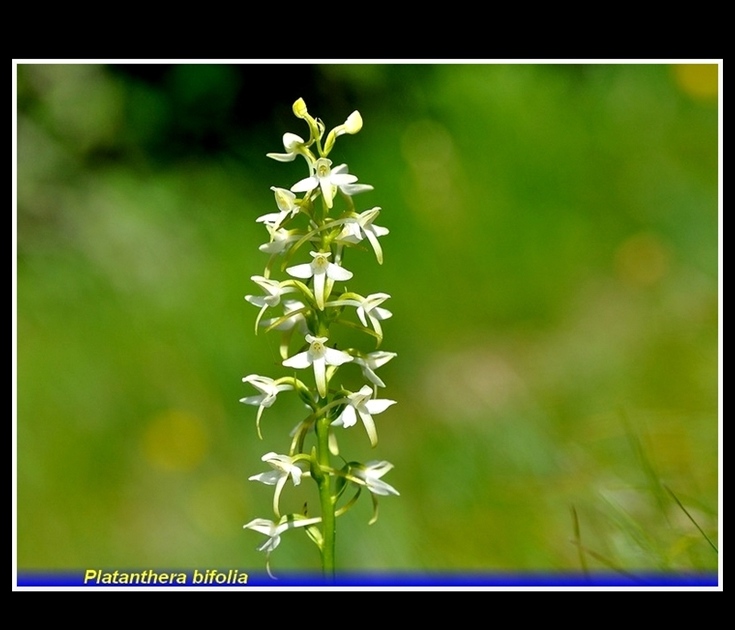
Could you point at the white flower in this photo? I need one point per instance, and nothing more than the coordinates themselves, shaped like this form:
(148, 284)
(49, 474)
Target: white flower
(361, 404)
(268, 389)
(274, 531)
(320, 269)
(371, 362)
(270, 529)
(369, 475)
(280, 239)
(292, 144)
(289, 321)
(286, 202)
(284, 467)
(320, 356)
(326, 179)
(273, 289)
(369, 308)
(361, 226)
(352, 125)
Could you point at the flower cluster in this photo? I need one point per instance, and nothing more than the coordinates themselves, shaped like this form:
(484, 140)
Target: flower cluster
(316, 222)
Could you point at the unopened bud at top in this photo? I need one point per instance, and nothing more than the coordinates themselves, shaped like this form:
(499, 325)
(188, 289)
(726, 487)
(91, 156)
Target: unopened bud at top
(299, 109)
(353, 124)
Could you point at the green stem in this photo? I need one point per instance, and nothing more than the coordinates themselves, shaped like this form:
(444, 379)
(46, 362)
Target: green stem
(326, 498)
(324, 476)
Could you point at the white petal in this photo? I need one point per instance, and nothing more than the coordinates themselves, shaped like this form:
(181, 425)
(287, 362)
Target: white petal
(378, 486)
(336, 357)
(367, 420)
(335, 272)
(256, 300)
(341, 179)
(270, 544)
(372, 376)
(361, 314)
(349, 236)
(367, 217)
(376, 246)
(347, 418)
(320, 376)
(274, 247)
(376, 326)
(378, 298)
(378, 405)
(298, 361)
(319, 279)
(354, 189)
(269, 478)
(381, 313)
(282, 157)
(261, 525)
(290, 140)
(272, 218)
(305, 185)
(375, 468)
(253, 400)
(380, 358)
(301, 271)
(327, 190)
(256, 378)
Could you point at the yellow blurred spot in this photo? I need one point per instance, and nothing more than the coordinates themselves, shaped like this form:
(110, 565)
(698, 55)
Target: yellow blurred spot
(175, 440)
(698, 80)
(641, 260)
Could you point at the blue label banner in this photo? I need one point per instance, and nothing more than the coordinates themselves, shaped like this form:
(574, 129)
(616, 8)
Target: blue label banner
(229, 577)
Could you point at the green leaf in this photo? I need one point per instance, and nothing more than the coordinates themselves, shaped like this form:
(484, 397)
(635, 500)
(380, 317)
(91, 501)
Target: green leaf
(315, 534)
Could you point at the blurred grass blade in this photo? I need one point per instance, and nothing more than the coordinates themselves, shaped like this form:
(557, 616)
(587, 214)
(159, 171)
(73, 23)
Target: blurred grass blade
(608, 563)
(649, 470)
(691, 518)
(578, 542)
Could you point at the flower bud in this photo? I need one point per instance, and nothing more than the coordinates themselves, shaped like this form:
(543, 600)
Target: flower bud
(299, 109)
(353, 124)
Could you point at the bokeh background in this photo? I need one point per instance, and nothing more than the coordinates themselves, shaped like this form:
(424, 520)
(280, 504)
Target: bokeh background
(553, 267)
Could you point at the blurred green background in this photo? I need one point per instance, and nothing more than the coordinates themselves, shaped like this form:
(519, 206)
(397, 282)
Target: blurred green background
(553, 267)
